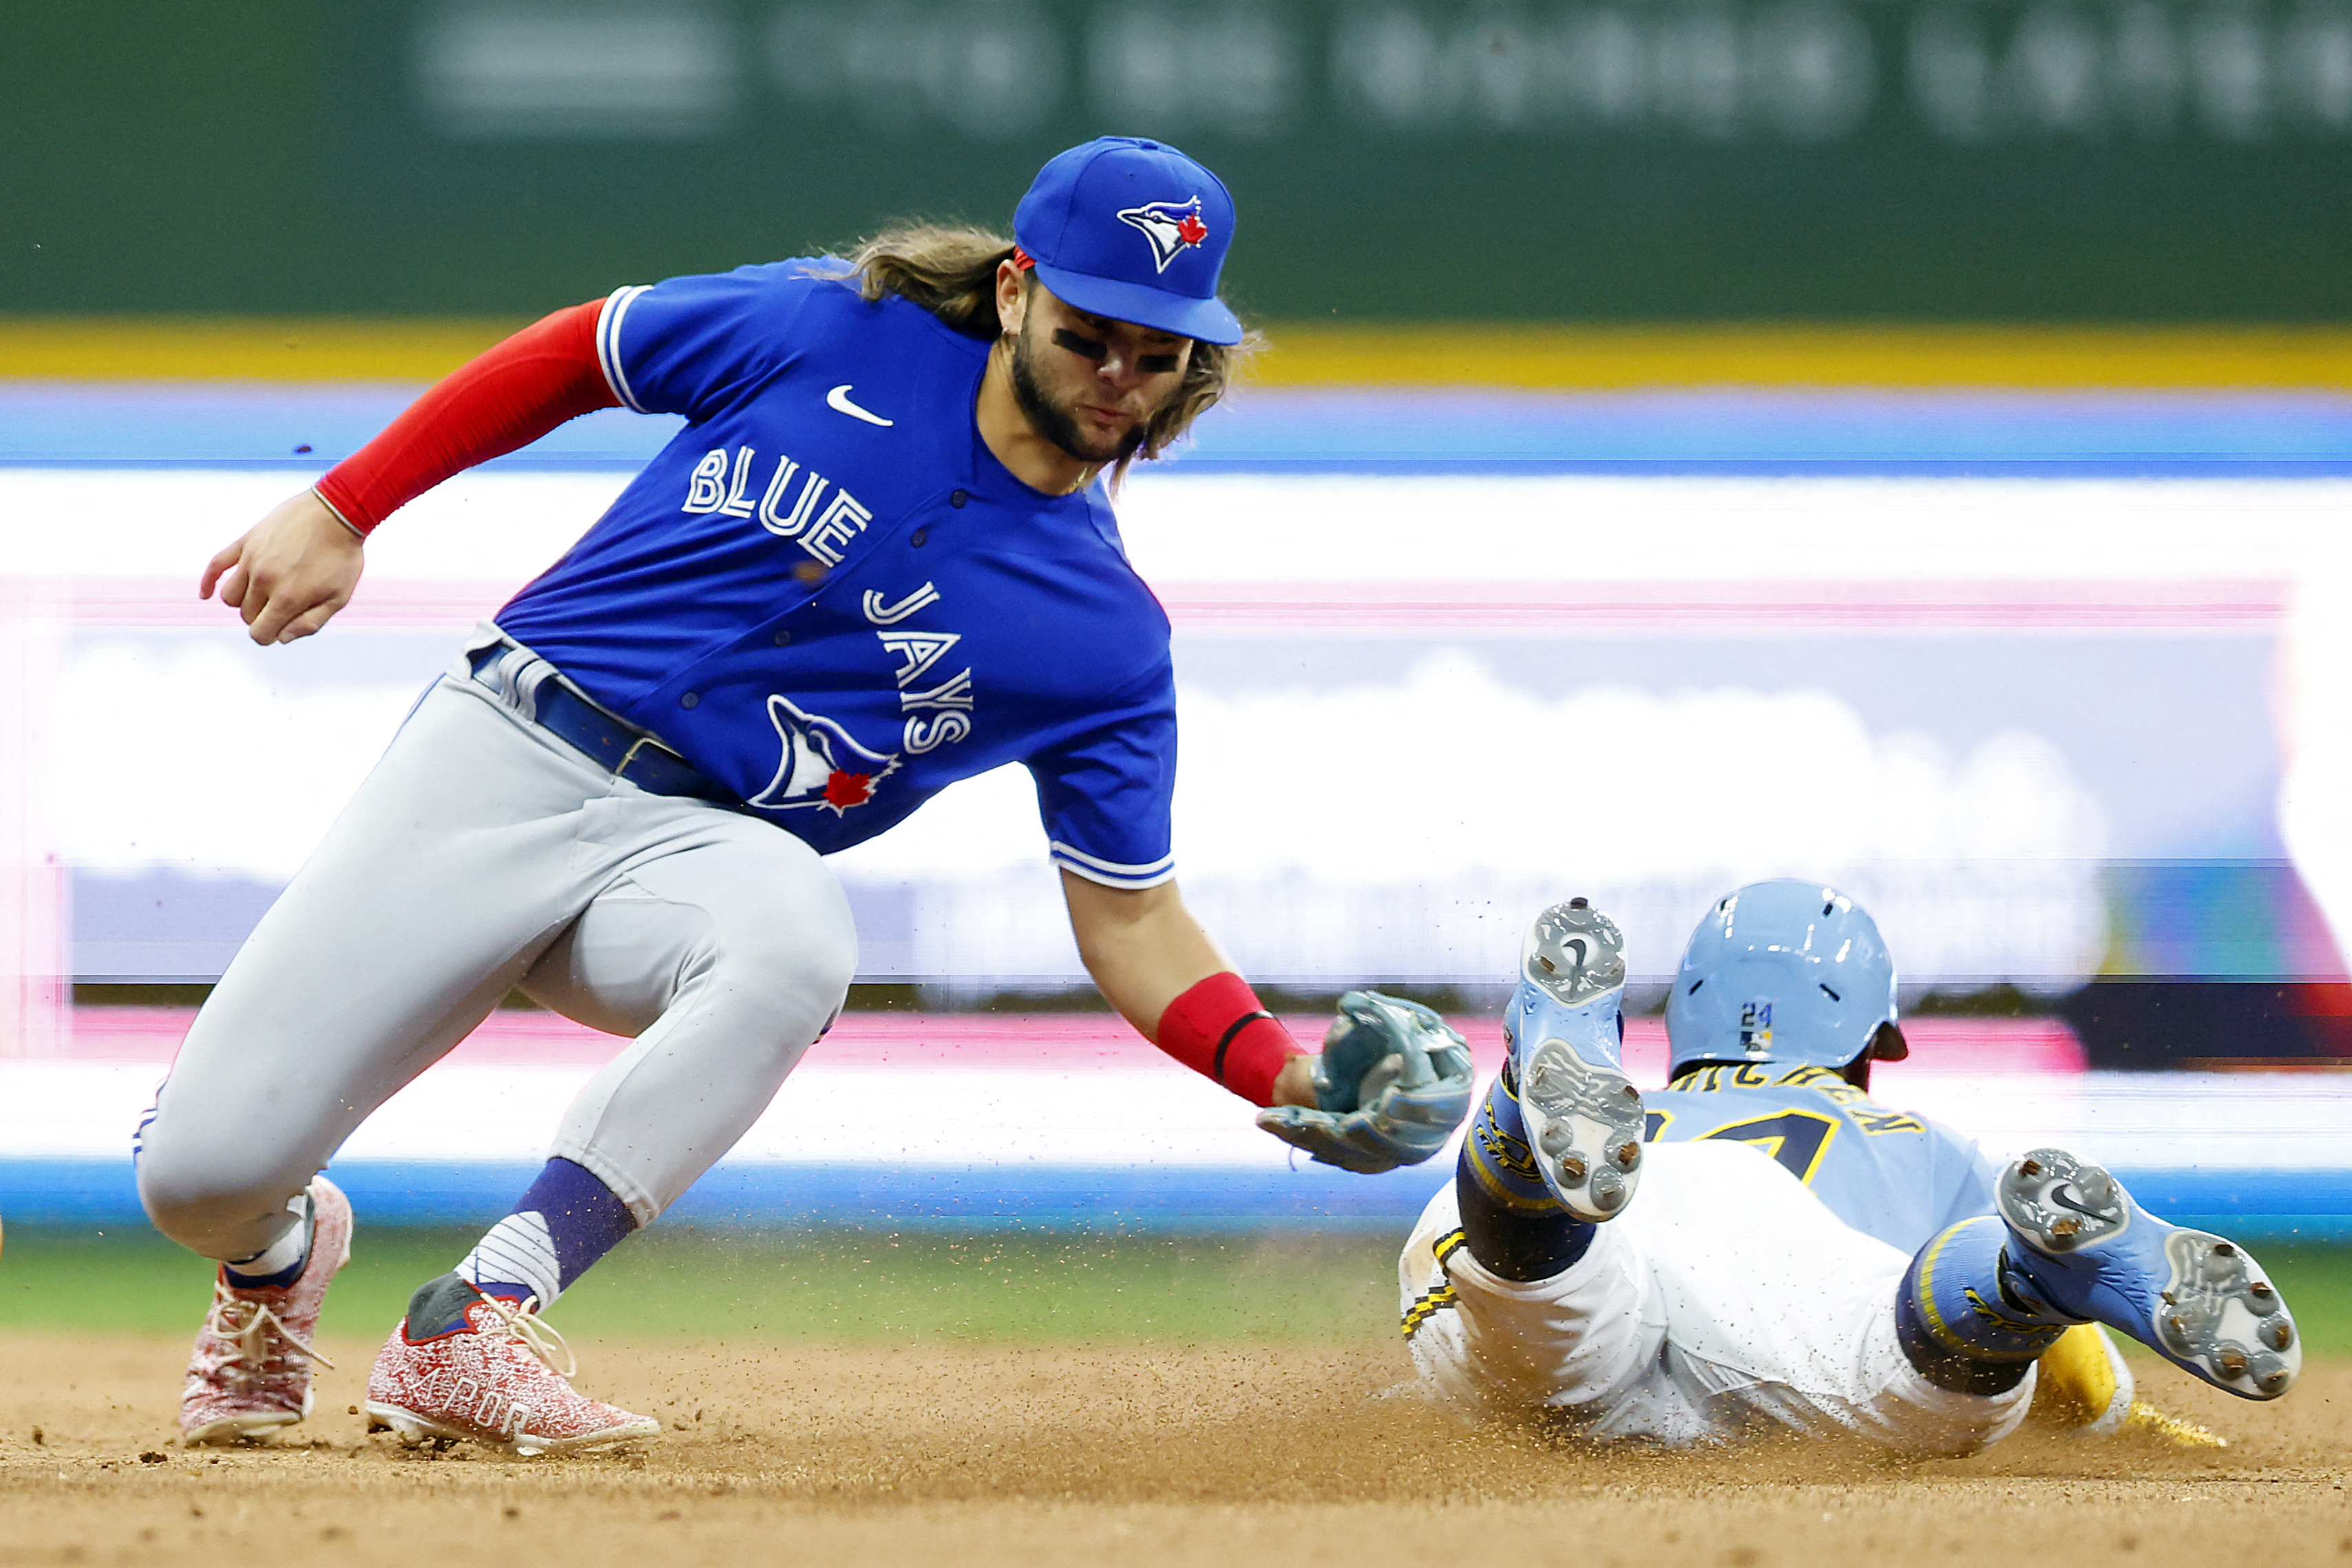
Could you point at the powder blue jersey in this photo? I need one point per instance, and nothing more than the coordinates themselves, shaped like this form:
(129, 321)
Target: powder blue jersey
(828, 595)
(1889, 1173)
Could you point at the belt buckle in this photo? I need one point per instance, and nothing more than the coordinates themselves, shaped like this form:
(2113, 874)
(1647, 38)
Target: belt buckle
(621, 769)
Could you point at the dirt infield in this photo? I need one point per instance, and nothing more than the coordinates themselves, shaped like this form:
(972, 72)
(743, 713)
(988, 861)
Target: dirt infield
(1133, 1454)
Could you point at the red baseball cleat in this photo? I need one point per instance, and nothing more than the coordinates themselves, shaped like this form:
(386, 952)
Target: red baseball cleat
(250, 1372)
(486, 1370)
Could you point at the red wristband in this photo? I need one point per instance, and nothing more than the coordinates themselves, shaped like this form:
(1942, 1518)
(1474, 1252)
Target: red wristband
(508, 397)
(1219, 1030)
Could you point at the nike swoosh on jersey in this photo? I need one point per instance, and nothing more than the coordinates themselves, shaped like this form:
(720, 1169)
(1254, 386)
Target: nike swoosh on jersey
(838, 401)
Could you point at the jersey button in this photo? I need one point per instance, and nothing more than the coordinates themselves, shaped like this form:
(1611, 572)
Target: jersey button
(958, 498)
(920, 535)
(784, 639)
(688, 700)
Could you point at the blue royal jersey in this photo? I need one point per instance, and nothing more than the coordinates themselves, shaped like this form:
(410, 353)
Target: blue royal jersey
(1889, 1173)
(828, 595)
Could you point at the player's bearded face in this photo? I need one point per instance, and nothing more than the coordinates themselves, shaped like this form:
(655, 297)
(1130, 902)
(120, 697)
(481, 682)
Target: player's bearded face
(1060, 380)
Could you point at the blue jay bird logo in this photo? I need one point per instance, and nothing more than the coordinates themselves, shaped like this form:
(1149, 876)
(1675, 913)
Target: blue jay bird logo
(821, 765)
(1173, 227)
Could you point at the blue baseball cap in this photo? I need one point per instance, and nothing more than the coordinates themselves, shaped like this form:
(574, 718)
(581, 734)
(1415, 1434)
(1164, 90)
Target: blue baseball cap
(1133, 230)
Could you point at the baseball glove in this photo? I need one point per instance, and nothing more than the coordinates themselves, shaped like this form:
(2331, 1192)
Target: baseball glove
(1391, 1086)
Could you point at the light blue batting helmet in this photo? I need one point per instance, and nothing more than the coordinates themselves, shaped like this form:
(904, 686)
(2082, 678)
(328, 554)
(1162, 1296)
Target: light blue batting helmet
(1784, 971)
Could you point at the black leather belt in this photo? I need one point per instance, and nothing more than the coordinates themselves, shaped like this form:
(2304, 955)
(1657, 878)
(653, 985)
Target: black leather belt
(627, 751)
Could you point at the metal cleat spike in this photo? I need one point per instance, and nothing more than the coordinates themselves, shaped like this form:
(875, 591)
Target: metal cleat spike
(1573, 1167)
(2231, 1360)
(2029, 1168)
(2278, 1334)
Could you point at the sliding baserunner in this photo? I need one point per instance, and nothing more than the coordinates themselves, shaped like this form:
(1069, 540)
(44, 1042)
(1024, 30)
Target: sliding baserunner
(1784, 1253)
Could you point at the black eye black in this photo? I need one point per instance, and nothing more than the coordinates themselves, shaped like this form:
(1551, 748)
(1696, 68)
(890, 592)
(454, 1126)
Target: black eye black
(1155, 365)
(1065, 339)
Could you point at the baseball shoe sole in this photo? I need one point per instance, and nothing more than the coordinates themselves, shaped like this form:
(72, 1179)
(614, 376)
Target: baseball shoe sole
(1583, 1116)
(2196, 1299)
(414, 1430)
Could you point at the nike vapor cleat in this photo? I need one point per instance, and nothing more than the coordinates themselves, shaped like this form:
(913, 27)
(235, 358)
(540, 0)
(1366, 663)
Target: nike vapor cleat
(2195, 1299)
(464, 1365)
(1566, 1039)
(249, 1374)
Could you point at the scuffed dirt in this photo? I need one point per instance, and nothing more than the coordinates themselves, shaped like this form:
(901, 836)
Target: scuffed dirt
(1133, 1454)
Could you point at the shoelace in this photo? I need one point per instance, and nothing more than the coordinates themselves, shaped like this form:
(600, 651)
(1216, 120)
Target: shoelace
(243, 1323)
(537, 1335)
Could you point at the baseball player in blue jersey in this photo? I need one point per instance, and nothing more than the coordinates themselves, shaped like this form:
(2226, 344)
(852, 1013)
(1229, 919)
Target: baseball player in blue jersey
(1800, 1256)
(877, 559)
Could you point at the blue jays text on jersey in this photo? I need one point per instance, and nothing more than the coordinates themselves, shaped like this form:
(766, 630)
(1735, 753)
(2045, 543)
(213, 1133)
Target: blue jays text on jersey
(830, 596)
(1888, 1173)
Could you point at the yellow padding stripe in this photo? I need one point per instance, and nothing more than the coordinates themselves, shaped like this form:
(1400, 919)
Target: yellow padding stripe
(1427, 1306)
(1438, 1297)
(231, 349)
(1626, 358)
(1492, 354)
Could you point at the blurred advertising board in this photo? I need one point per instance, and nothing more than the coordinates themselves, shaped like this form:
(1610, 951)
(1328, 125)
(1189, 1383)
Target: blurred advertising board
(2091, 160)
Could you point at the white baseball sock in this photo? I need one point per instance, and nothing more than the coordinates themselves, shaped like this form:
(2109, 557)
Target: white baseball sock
(282, 1259)
(519, 1251)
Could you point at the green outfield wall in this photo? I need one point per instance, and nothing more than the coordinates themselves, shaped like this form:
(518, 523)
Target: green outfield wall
(1576, 159)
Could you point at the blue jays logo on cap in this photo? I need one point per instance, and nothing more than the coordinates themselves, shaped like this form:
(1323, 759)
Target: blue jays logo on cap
(1170, 226)
(1080, 219)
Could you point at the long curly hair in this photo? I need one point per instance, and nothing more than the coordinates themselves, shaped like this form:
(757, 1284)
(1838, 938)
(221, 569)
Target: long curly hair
(949, 270)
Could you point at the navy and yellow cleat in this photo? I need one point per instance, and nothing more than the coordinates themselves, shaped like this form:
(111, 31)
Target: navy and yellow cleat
(2195, 1299)
(1583, 1116)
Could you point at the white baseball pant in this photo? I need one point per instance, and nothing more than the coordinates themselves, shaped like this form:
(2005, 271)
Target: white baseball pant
(483, 854)
(1726, 1301)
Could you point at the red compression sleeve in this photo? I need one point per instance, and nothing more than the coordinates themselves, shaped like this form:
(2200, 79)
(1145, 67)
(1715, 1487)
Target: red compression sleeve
(1219, 1028)
(509, 397)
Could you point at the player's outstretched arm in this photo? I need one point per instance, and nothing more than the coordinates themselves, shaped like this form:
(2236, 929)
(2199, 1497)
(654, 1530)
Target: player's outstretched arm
(299, 565)
(290, 572)
(1392, 1082)
(1145, 950)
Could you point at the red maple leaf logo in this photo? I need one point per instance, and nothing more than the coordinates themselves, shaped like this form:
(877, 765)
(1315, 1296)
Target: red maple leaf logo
(843, 790)
(1191, 231)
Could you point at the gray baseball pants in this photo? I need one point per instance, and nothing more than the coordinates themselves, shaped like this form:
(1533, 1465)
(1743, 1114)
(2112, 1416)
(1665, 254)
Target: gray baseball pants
(480, 855)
